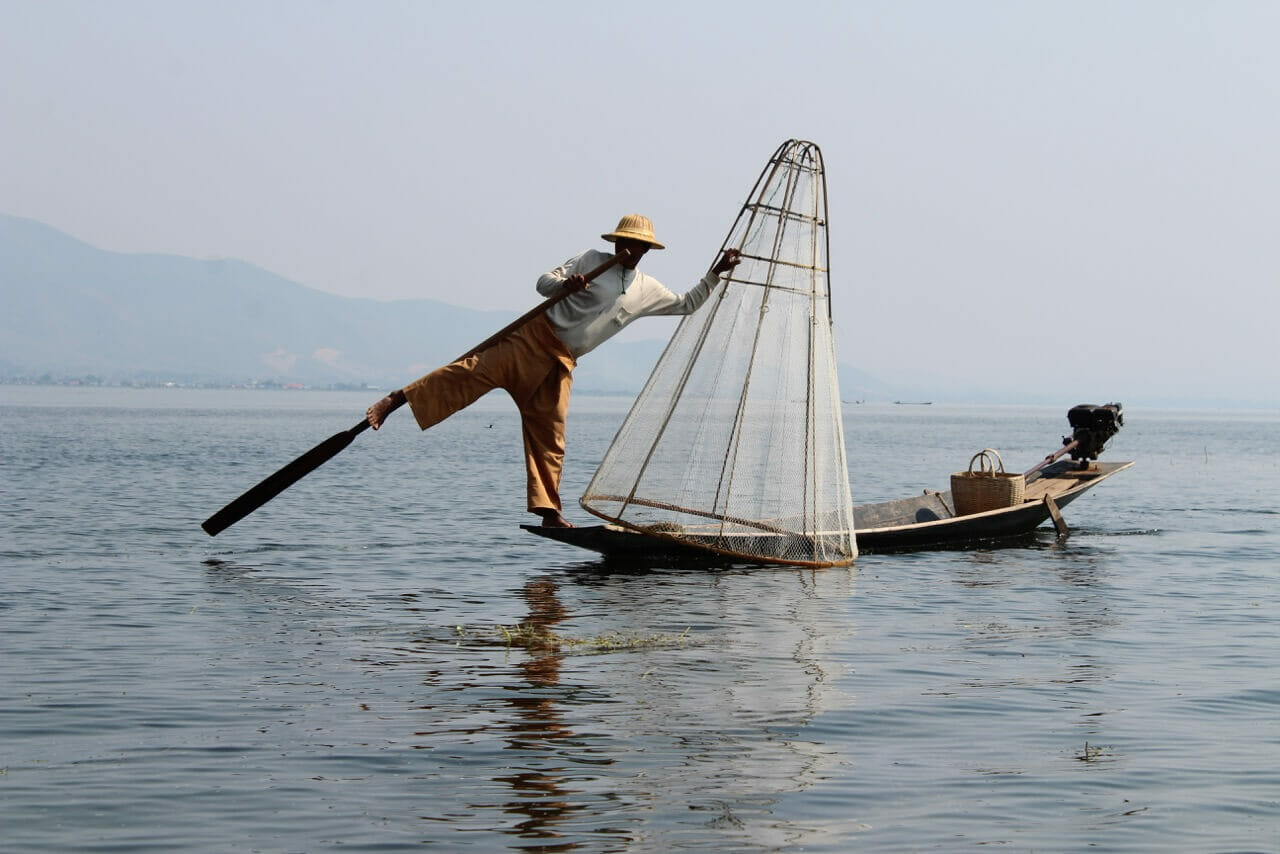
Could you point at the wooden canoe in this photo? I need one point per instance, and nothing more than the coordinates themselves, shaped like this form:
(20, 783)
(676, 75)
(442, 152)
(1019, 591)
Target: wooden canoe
(926, 521)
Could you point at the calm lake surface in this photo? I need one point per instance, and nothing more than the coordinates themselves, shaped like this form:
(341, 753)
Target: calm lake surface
(337, 671)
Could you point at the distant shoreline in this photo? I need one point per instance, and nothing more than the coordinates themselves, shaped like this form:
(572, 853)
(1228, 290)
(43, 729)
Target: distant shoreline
(880, 406)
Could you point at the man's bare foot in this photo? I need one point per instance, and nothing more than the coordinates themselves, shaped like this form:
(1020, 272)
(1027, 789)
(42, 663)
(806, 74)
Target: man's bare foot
(378, 413)
(553, 519)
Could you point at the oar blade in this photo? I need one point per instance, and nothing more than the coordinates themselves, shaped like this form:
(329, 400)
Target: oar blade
(278, 482)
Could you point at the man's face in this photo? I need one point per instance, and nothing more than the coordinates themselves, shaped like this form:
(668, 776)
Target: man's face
(637, 248)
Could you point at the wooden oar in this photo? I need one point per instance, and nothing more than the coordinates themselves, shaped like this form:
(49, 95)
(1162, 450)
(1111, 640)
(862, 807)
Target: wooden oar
(295, 471)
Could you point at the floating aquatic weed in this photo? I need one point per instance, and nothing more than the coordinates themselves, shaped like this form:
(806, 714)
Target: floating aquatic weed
(540, 638)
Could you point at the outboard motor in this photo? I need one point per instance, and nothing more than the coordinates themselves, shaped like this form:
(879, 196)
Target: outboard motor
(1091, 427)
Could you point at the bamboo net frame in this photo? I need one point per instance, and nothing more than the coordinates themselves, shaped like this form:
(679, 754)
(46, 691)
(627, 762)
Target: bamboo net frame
(735, 445)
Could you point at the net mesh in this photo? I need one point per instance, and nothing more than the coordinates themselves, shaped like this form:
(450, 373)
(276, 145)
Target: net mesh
(735, 445)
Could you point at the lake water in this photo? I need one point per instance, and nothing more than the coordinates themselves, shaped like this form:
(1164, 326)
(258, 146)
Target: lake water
(336, 672)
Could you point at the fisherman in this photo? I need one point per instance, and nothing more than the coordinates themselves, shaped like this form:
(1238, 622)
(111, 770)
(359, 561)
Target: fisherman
(535, 362)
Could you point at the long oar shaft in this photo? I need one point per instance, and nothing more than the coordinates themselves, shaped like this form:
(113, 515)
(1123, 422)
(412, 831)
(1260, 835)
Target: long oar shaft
(536, 310)
(304, 465)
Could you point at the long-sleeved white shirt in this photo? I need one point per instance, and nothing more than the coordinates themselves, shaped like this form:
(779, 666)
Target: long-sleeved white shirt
(585, 320)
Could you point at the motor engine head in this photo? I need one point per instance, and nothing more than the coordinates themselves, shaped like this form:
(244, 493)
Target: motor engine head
(1091, 427)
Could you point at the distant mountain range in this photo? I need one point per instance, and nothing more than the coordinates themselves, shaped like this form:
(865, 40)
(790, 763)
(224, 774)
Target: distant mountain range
(71, 311)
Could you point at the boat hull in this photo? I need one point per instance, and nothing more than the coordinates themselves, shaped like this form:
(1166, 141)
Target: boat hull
(908, 524)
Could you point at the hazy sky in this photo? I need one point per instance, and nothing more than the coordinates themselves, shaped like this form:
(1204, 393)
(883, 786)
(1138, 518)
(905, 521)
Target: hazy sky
(1094, 184)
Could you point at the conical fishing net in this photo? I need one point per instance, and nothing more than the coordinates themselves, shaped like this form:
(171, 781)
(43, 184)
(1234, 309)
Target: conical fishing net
(735, 445)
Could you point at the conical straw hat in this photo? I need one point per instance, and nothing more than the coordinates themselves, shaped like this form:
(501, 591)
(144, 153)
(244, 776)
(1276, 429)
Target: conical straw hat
(635, 227)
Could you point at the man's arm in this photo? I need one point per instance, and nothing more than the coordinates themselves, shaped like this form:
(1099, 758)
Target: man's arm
(690, 302)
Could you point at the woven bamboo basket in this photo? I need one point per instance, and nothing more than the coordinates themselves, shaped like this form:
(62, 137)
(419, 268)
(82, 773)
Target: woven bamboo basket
(988, 488)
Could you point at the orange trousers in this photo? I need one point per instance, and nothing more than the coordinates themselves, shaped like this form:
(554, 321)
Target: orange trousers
(534, 367)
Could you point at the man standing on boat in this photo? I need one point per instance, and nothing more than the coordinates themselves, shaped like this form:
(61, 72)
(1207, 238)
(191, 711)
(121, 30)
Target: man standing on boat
(535, 362)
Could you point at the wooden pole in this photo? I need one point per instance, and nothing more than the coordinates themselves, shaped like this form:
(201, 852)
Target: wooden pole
(1071, 446)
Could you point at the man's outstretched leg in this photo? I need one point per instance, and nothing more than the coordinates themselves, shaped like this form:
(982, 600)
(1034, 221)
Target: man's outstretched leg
(439, 394)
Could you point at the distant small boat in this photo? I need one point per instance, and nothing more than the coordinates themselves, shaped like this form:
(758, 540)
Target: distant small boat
(914, 402)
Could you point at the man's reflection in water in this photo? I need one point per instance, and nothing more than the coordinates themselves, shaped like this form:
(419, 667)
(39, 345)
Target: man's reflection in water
(537, 728)
(691, 737)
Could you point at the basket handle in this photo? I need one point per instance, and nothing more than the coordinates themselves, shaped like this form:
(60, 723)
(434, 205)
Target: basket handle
(986, 465)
